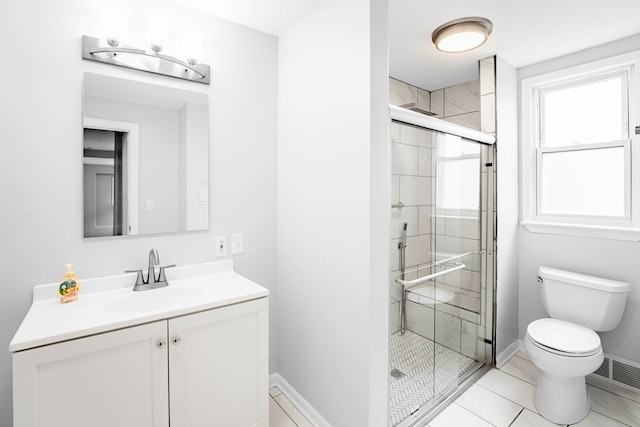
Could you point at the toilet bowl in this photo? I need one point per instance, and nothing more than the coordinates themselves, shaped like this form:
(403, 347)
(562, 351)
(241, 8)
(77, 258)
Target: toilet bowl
(564, 353)
(565, 347)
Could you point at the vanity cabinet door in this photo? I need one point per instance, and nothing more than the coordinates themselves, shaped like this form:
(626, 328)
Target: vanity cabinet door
(112, 379)
(219, 370)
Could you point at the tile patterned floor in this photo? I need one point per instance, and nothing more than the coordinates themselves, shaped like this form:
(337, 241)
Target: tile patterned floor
(501, 398)
(505, 398)
(429, 369)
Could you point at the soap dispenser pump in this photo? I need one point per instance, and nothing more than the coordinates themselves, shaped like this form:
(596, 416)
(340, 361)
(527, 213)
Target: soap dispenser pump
(69, 286)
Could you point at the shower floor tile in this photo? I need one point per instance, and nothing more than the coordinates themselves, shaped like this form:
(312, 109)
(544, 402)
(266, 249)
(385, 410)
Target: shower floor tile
(429, 369)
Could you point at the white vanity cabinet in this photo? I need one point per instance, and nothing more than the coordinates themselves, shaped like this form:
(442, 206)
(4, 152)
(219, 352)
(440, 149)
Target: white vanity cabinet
(118, 378)
(218, 371)
(190, 366)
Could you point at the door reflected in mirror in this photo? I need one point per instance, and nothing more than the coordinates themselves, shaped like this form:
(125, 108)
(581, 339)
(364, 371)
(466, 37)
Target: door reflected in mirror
(145, 161)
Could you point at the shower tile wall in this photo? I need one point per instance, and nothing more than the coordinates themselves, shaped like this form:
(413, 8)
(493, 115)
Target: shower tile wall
(458, 104)
(401, 93)
(412, 151)
(411, 185)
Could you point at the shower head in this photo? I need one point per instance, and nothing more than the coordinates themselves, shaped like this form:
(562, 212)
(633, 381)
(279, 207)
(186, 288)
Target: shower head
(403, 240)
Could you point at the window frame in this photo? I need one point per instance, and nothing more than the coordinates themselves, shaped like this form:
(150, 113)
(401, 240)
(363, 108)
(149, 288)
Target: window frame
(532, 152)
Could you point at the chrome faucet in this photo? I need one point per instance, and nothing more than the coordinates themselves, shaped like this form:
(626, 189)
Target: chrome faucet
(154, 259)
(151, 282)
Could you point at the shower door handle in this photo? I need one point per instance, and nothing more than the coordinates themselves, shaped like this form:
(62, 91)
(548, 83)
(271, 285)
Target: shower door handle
(423, 279)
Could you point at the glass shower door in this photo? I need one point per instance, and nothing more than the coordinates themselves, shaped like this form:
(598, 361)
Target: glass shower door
(459, 259)
(439, 301)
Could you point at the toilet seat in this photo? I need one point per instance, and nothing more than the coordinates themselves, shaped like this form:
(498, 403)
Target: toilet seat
(563, 338)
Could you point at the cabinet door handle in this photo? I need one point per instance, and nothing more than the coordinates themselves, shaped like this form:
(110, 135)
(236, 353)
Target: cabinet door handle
(160, 344)
(176, 340)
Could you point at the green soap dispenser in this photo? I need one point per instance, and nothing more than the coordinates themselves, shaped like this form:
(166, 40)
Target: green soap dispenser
(69, 286)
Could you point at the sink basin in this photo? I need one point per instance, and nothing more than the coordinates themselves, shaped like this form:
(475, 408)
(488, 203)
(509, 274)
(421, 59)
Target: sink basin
(153, 300)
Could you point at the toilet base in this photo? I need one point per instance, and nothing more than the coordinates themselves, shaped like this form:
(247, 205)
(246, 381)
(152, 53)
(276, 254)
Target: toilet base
(562, 400)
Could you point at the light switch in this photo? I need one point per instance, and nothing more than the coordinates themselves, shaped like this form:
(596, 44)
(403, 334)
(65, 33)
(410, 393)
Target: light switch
(237, 243)
(150, 205)
(202, 195)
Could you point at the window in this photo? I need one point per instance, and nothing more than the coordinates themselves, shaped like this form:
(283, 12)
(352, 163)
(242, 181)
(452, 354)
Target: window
(579, 163)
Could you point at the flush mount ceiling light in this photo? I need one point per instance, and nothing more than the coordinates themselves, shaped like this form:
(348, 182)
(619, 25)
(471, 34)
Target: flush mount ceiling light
(462, 34)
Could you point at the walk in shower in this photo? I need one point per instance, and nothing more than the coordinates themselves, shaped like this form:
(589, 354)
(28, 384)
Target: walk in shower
(442, 262)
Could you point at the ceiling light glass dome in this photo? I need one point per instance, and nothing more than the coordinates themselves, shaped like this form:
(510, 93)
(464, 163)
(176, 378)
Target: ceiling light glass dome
(462, 34)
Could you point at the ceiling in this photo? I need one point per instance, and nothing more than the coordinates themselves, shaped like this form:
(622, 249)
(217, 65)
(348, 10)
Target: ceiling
(524, 32)
(268, 16)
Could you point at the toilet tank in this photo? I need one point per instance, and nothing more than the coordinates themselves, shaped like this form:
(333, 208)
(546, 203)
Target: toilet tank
(589, 301)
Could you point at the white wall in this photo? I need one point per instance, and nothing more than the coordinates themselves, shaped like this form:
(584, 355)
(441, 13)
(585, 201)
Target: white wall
(599, 257)
(380, 192)
(507, 207)
(333, 199)
(41, 166)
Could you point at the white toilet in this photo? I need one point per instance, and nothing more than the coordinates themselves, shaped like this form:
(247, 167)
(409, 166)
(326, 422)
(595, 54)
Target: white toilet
(565, 347)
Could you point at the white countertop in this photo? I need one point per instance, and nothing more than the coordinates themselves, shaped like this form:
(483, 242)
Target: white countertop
(109, 303)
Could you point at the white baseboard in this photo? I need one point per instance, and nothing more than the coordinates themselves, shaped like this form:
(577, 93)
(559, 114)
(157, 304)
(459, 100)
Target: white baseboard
(508, 353)
(305, 408)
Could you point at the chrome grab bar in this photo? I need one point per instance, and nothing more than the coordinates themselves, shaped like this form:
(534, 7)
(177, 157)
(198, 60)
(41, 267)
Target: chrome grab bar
(423, 279)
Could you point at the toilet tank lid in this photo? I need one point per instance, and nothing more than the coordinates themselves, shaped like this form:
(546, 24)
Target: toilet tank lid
(583, 280)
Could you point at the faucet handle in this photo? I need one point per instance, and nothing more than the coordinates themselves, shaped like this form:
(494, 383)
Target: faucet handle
(139, 278)
(162, 277)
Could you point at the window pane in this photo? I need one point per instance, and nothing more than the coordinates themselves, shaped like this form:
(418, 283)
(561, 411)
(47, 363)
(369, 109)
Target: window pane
(458, 183)
(583, 182)
(568, 114)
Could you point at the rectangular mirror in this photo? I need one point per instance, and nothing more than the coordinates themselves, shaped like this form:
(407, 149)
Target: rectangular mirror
(146, 158)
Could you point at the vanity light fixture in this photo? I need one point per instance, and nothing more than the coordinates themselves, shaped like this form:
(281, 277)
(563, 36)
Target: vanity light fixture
(155, 61)
(462, 34)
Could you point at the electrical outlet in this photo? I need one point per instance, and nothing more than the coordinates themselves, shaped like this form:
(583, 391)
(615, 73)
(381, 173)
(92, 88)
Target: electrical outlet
(221, 246)
(237, 243)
